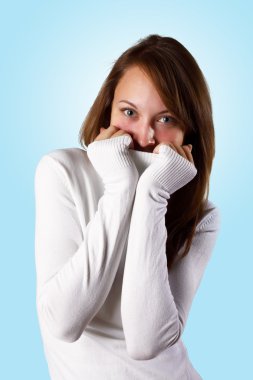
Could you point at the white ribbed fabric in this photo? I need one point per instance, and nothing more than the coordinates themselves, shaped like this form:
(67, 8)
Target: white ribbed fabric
(171, 170)
(111, 159)
(107, 307)
(151, 319)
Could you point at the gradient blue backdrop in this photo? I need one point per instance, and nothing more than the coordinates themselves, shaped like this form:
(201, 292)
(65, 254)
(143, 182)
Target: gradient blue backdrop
(55, 56)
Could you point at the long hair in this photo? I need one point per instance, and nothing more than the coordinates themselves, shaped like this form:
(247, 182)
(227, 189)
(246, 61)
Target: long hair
(183, 89)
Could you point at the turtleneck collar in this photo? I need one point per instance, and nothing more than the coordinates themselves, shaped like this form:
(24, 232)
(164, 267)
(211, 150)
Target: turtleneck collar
(142, 159)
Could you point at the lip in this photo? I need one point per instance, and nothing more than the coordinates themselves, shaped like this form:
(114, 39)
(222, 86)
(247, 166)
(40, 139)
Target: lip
(148, 148)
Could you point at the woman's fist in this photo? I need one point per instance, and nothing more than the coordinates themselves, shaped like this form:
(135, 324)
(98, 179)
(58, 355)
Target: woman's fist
(110, 132)
(183, 150)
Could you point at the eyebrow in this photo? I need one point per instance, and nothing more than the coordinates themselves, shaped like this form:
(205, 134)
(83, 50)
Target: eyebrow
(133, 105)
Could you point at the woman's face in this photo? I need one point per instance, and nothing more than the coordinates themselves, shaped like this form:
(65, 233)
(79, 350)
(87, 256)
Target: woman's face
(138, 109)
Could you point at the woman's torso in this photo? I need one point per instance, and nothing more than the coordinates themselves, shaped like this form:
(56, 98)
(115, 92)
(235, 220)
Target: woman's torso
(100, 353)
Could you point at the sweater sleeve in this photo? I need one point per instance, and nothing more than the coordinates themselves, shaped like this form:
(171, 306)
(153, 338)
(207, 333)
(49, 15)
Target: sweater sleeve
(155, 303)
(73, 278)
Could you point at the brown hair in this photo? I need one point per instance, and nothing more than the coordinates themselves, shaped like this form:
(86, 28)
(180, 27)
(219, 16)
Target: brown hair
(183, 89)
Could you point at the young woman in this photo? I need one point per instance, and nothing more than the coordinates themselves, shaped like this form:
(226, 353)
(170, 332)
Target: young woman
(124, 227)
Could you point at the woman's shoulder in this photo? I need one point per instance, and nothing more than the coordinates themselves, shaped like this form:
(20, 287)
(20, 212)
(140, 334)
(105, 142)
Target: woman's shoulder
(211, 218)
(66, 163)
(66, 156)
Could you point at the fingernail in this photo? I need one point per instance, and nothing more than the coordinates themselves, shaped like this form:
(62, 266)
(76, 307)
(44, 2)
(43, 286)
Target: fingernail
(190, 146)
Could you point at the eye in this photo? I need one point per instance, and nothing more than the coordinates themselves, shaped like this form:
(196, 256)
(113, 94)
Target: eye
(128, 112)
(168, 119)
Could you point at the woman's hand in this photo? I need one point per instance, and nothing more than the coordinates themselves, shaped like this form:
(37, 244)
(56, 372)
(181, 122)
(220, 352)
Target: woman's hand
(183, 150)
(173, 168)
(110, 132)
(111, 158)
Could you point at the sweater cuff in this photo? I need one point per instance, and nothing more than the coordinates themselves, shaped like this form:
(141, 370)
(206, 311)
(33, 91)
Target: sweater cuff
(173, 171)
(116, 149)
(111, 159)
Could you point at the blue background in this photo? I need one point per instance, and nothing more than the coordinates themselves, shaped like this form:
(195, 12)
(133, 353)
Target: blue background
(54, 57)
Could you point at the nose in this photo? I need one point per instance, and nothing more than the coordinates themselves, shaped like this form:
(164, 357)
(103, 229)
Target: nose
(144, 135)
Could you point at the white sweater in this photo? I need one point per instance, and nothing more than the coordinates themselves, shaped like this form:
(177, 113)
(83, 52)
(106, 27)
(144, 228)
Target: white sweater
(107, 306)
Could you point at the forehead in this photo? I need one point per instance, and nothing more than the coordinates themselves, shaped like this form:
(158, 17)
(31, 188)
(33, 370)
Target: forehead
(132, 77)
(137, 85)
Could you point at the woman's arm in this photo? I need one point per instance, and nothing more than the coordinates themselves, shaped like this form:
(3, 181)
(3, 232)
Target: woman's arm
(73, 278)
(155, 304)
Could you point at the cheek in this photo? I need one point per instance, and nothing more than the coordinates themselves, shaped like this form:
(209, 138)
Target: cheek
(172, 135)
(120, 121)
